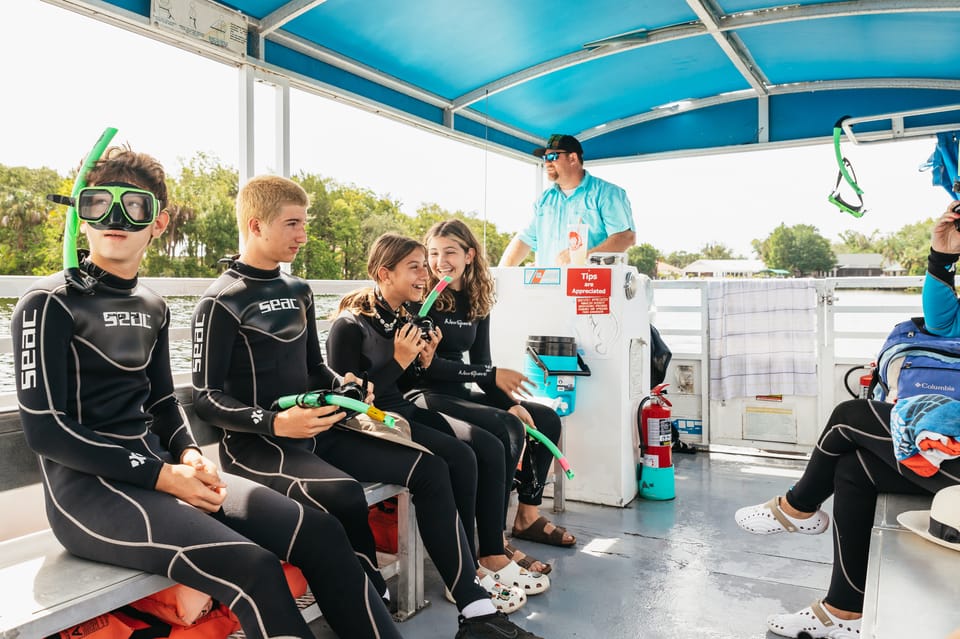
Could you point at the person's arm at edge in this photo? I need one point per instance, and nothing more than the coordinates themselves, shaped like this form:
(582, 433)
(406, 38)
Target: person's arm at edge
(941, 311)
(517, 251)
(616, 243)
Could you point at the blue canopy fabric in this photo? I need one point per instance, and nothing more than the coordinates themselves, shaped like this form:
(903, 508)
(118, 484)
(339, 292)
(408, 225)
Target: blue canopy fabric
(631, 80)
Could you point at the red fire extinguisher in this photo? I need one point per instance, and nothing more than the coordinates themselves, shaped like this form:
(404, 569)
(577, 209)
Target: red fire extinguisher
(655, 428)
(866, 380)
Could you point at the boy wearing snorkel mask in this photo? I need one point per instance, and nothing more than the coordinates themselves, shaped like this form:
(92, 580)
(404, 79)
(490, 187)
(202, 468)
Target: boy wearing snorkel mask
(124, 479)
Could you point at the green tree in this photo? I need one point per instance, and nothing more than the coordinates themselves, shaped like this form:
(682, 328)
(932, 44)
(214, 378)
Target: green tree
(644, 257)
(800, 249)
(203, 223)
(856, 242)
(682, 259)
(487, 234)
(716, 251)
(909, 246)
(28, 220)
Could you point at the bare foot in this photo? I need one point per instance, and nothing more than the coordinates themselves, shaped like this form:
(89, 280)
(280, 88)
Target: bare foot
(535, 566)
(527, 514)
(841, 614)
(793, 512)
(493, 562)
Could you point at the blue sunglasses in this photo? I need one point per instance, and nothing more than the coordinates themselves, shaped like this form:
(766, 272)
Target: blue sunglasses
(552, 156)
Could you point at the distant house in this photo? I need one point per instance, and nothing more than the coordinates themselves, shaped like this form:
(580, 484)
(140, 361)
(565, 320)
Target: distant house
(724, 268)
(864, 265)
(668, 271)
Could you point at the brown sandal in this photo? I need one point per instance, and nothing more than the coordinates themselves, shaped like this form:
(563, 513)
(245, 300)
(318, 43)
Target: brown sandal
(534, 532)
(526, 561)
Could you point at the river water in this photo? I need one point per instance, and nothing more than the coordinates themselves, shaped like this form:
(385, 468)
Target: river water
(181, 309)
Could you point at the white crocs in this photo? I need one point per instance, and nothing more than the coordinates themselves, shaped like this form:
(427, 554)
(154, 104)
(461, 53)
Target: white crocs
(532, 583)
(505, 598)
(768, 519)
(816, 621)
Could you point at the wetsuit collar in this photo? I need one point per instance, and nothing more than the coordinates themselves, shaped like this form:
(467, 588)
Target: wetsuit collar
(104, 279)
(250, 271)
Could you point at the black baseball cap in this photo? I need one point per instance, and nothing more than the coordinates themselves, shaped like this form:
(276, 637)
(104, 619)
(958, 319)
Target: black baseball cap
(560, 142)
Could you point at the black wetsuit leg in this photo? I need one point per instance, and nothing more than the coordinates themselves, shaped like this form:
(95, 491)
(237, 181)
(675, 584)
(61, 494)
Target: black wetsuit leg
(292, 468)
(507, 428)
(428, 479)
(854, 461)
(532, 476)
(232, 555)
(489, 493)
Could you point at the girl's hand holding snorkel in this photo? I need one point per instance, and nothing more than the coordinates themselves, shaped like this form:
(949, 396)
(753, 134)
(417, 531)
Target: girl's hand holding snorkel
(407, 344)
(429, 347)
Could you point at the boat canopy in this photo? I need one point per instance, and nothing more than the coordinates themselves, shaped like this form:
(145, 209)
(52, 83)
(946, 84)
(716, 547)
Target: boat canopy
(632, 80)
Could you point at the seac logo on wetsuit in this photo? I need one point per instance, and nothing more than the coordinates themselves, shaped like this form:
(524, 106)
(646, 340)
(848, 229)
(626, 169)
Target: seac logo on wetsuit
(278, 304)
(28, 353)
(126, 318)
(198, 328)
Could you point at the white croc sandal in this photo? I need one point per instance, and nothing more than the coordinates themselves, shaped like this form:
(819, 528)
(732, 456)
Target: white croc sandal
(532, 583)
(506, 599)
(816, 621)
(768, 519)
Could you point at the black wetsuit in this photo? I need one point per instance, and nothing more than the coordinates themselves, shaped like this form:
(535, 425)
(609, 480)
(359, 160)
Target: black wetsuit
(97, 404)
(854, 461)
(446, 388)
(255, 340)
(363, 344)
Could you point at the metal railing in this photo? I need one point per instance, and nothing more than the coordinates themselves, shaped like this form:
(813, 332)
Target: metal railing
(847, 334)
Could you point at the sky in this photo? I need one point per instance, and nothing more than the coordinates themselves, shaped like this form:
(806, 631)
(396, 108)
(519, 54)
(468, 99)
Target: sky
(53, 110)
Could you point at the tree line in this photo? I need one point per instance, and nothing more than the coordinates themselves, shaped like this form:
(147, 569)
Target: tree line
(803, 251)
(345, 219)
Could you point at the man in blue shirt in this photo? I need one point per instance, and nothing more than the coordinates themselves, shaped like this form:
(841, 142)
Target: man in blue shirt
(576, 197)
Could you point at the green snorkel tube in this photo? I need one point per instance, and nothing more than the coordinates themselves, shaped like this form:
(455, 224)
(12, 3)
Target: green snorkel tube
(846, 174)
(540, 437)
(71, 267)
(532, 432)
(316, 399)
(434, 294)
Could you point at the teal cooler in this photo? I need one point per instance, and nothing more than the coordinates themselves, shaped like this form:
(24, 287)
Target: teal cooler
(552, 362)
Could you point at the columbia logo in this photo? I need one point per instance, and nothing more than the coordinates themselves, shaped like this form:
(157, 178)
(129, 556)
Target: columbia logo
(935, 387)
(257, 416)
(136, 459)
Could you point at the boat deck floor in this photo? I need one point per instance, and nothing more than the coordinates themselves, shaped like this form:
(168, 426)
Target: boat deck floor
(664, 569)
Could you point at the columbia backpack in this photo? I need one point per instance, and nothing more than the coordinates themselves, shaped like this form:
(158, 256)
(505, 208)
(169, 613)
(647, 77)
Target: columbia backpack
(915, 362)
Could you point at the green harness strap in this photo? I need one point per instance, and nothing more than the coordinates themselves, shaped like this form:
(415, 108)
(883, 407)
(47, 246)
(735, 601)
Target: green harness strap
(845, 174)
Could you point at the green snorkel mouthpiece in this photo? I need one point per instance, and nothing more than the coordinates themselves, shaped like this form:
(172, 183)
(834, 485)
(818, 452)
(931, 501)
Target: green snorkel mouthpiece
(434, 294)
(71, 267)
